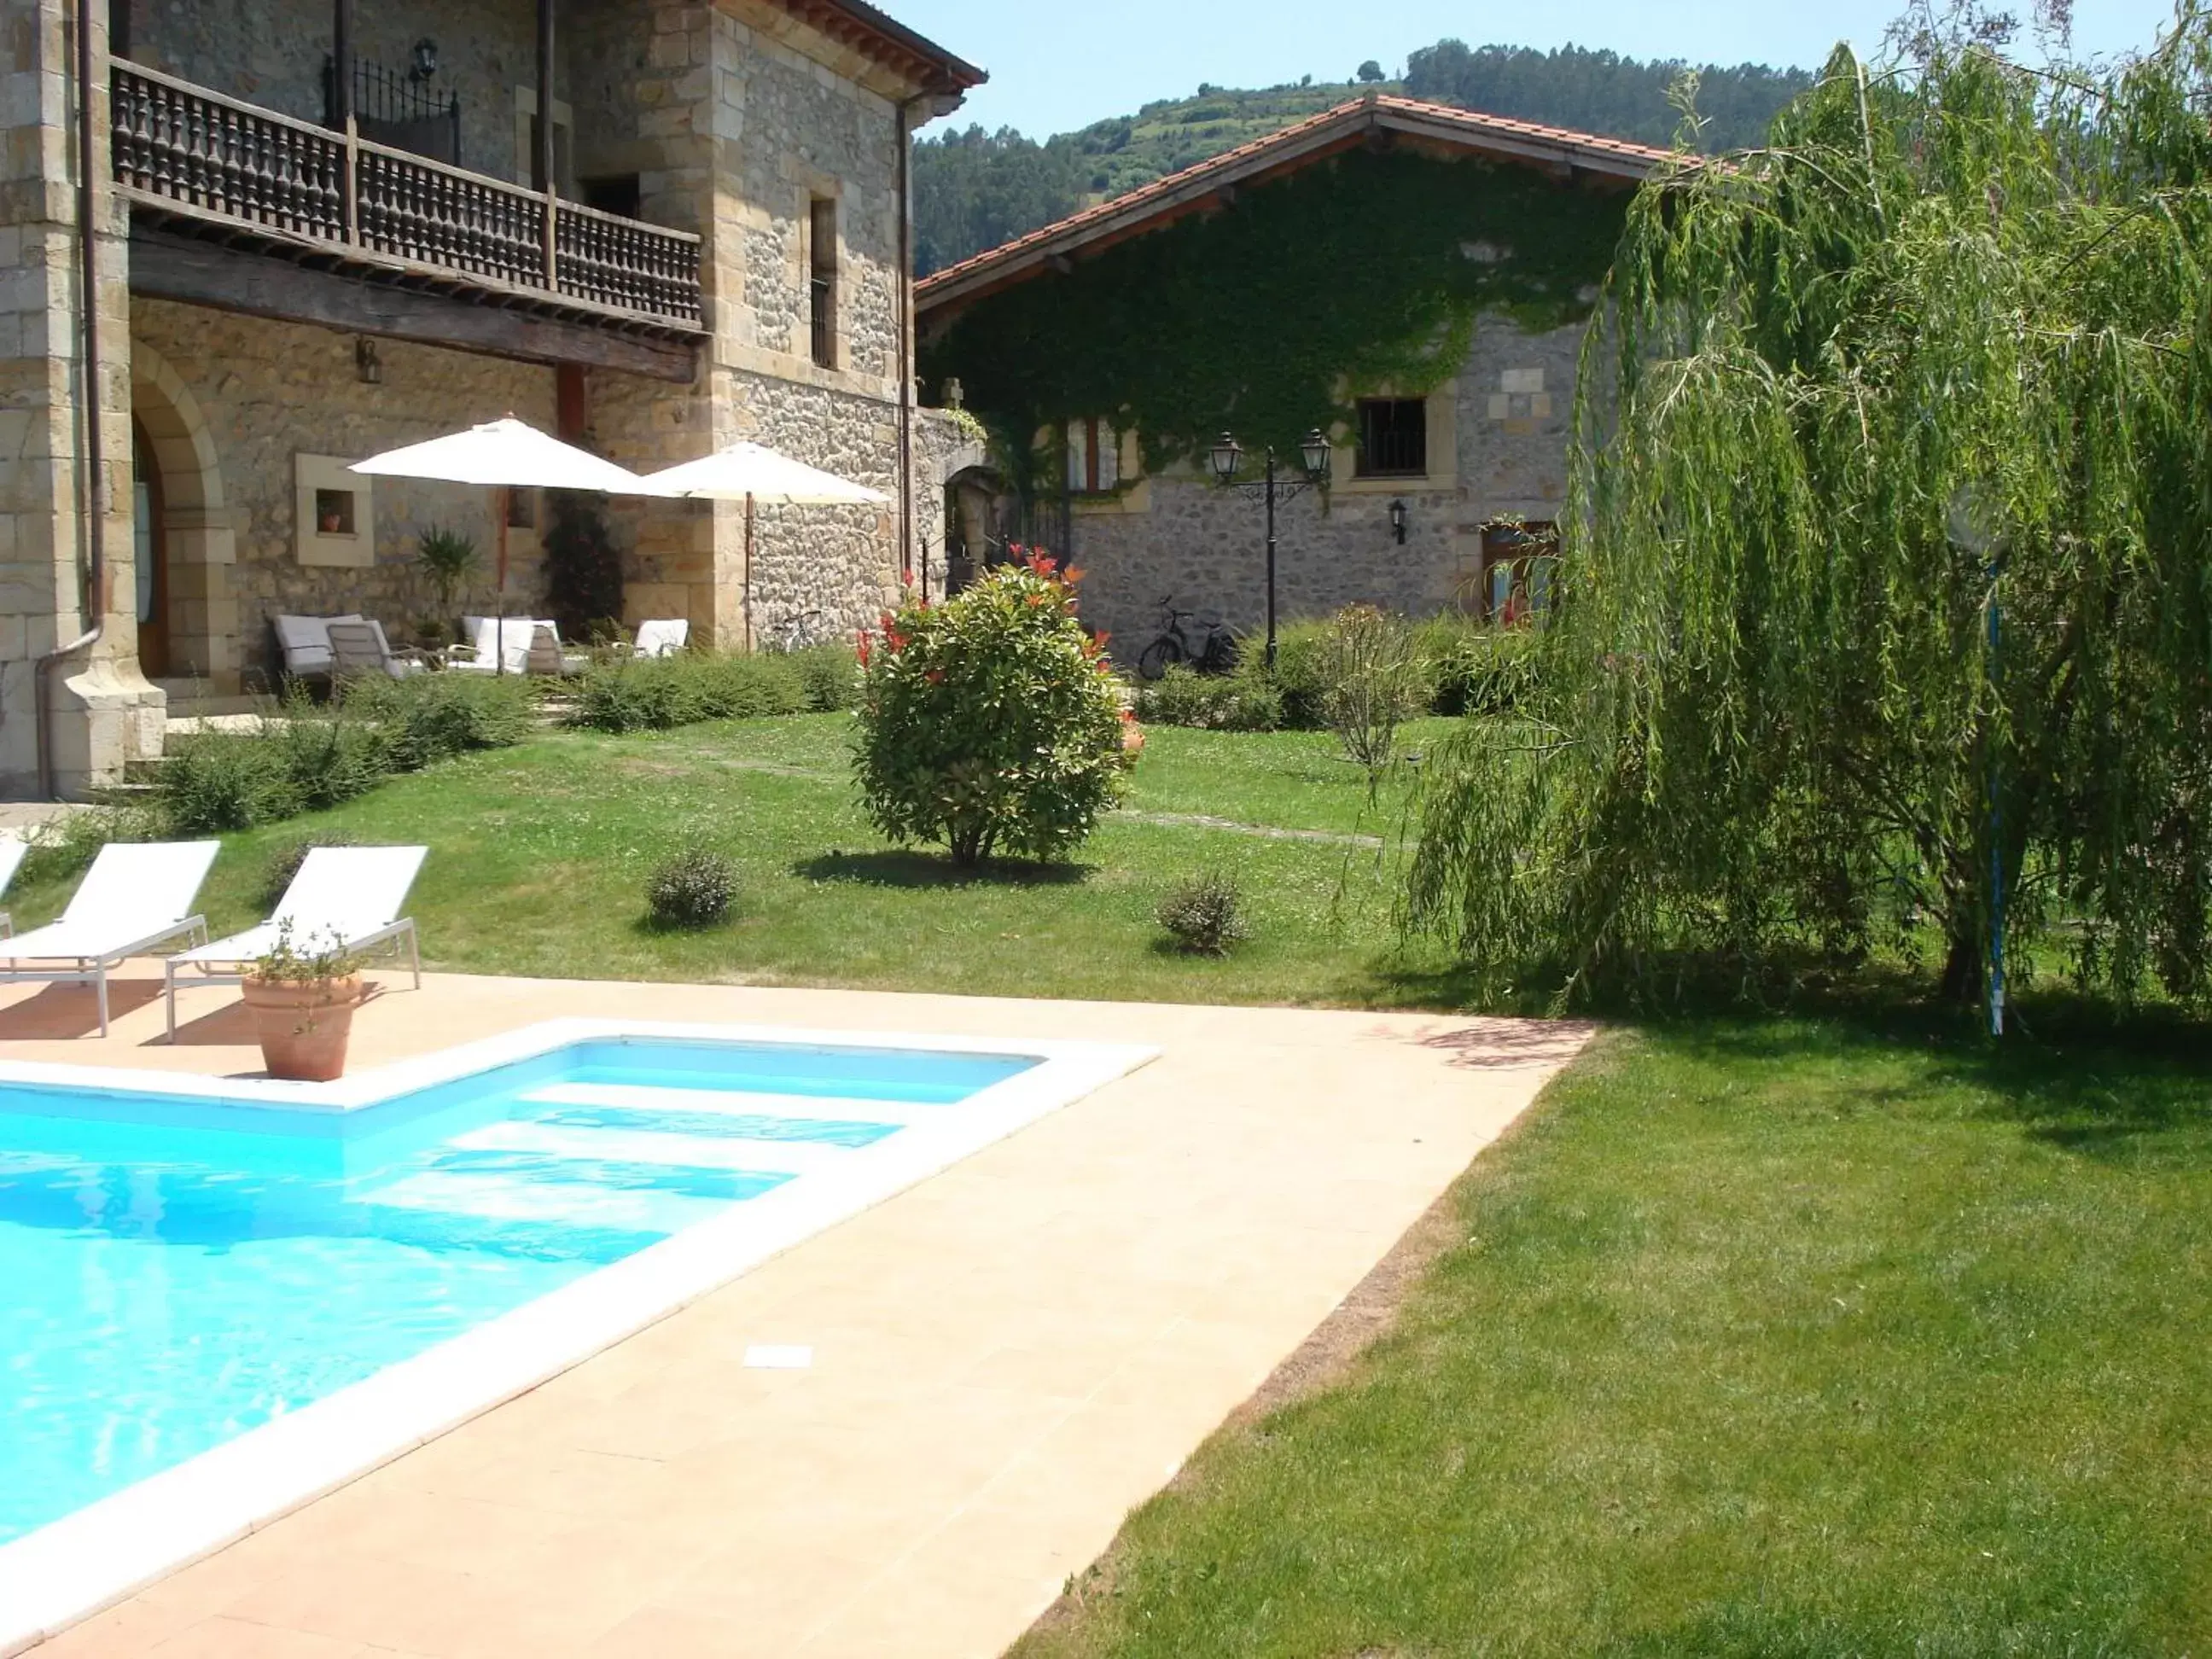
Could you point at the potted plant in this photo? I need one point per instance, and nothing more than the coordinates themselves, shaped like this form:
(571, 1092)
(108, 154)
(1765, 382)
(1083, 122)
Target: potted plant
(449, 559)
(303, 996)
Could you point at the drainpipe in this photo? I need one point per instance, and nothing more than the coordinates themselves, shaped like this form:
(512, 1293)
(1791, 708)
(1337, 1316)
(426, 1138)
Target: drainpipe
(906, 335)
(93, 594)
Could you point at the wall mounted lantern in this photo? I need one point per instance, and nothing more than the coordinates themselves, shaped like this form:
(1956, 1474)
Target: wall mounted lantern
(423, 62)
(1398, 522)
(367, 367)
(1313, 452)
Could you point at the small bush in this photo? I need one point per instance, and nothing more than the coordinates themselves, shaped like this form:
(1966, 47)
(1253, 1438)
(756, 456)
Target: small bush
(829, 676)
(1486, 671)
(285, 860)
(216, 780)
(1204, 915)
(1302, 676)
(434, 717)
(692, 890)
(1376, 684)
(660, 692)
(989, 722)
(63, 848)
(326, 760)
(1244, 700)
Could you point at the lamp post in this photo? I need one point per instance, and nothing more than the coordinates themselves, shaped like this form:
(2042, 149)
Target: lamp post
(1313, 452)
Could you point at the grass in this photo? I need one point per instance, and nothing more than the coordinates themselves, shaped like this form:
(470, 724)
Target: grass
(539, 857)
(1794, 1337)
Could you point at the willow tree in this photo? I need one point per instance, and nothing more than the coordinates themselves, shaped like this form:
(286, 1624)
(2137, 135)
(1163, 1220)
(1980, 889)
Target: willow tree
(1884, 605)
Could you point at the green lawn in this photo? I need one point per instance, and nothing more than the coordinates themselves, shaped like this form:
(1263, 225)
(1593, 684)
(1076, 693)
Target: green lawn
(539, 855)
(1784, 1338)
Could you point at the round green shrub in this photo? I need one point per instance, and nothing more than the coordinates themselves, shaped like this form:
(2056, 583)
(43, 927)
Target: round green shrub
(1204, 913)
(989, 723)
(695, 889)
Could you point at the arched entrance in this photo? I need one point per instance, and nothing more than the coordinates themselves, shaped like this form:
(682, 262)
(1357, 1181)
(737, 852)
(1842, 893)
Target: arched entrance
(183, 546)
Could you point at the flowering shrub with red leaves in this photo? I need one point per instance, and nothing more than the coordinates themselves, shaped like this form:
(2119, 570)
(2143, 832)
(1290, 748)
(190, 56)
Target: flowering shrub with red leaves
(990, 723)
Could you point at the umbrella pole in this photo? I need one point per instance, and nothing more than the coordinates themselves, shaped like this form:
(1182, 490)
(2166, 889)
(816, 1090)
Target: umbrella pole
(746, 582)
(498, 499)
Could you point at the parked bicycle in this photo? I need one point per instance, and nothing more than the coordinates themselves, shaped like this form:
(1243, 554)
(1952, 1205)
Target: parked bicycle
(1200, 640)
(800, 631)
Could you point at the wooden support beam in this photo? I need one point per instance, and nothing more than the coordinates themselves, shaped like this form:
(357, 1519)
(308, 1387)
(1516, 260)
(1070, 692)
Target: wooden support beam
(173, 267)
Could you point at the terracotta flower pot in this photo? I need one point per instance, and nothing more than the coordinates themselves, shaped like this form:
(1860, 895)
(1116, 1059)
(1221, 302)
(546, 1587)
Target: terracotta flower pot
(303, 1028)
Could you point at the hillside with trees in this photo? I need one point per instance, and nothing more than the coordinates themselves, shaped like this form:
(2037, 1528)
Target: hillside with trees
(975, 189)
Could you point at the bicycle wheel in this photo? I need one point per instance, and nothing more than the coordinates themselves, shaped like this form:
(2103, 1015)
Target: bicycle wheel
(1155, 658)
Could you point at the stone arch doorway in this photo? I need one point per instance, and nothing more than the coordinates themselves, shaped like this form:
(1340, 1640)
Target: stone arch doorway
(973, 542)
(182, 532)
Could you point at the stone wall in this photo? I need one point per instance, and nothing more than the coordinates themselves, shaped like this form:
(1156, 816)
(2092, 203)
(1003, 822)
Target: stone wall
(1497, 448)
(100, 711)
(734, 131)
(271, 52)
(269, 390)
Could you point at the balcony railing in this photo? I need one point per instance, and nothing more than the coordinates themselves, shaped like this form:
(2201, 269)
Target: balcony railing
(180, 146)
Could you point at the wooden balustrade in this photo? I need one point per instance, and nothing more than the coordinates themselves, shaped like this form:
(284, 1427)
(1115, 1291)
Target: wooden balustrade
(216, 156)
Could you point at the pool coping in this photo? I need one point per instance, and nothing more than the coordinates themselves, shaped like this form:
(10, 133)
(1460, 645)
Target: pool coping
(72, 1567)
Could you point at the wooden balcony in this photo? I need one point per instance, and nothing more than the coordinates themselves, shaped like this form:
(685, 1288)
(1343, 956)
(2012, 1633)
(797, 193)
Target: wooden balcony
(198, 167)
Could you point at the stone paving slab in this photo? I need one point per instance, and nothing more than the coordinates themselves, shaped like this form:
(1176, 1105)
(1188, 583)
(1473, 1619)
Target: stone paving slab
(1006, 1358)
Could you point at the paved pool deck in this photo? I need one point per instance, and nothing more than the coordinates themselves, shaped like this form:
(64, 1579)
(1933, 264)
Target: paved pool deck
(1006, 1358)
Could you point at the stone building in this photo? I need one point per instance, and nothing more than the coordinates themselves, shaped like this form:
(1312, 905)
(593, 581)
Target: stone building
(316, 232)
(1430, 502)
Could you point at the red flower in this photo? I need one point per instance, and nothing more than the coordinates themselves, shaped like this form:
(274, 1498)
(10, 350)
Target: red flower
(1072, 575)
(935, 675)
(866, 645)
(1041, 562)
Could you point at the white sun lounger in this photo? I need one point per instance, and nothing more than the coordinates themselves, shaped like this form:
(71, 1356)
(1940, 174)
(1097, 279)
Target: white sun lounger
(351, 894)
(11, 860)
(136, 896)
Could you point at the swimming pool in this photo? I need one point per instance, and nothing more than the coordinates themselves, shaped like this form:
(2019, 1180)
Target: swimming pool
(191, 1268)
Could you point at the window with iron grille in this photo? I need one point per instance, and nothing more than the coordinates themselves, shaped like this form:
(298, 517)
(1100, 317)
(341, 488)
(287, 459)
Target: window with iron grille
(822, 279)
(1393, 437)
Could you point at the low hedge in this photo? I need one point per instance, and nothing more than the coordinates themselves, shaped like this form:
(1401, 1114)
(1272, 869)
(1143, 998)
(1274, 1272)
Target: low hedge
(1469, 668)
(310, 755)
(653, 694)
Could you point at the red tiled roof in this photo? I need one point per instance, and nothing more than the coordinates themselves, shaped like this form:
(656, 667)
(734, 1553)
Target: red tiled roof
(1317, 135)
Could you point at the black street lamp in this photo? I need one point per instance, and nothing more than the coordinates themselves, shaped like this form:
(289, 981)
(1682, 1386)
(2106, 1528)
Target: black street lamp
(1313, 451)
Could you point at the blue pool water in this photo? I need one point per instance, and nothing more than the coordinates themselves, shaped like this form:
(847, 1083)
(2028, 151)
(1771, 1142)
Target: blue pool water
(174, 1273)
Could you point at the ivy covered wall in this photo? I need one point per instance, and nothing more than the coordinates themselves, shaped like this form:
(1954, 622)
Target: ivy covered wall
(1361, 273)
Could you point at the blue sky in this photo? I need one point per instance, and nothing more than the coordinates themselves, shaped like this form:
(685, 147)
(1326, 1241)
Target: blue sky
(1055, 66)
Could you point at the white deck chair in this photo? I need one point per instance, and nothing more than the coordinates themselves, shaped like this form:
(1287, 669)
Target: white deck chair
(352, 894)
(664, 638)
(11, 860)
(138, 895)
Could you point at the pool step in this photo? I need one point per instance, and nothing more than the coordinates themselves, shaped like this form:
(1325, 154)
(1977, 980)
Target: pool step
(651, 1147)
(737, 1102)
(500, 1197)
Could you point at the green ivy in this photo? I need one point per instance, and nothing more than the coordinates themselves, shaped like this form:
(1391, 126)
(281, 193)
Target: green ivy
(1269, 315)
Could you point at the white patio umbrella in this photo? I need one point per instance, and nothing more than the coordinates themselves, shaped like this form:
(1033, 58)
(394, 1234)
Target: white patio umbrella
(507, 455)
(751, 473)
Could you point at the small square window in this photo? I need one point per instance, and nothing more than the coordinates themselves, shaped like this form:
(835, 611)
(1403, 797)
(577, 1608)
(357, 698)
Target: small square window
(1393, 437)
(334, 513)
(522, 509)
